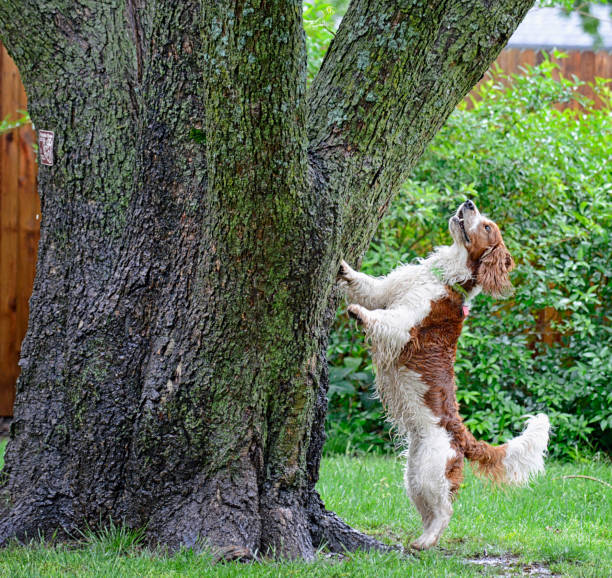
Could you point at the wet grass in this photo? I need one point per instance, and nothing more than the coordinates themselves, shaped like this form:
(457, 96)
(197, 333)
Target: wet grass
(565, 524)
(555, 527)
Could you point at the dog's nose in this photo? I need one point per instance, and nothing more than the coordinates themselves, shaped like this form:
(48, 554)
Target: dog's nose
(469, 205)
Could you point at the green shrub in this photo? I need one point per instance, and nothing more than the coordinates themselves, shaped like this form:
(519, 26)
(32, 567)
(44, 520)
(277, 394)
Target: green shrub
(544, 175)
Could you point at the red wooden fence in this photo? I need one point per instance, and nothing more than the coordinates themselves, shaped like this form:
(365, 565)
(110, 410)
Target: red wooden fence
(585, 65)
(20, 207)
(19, 229)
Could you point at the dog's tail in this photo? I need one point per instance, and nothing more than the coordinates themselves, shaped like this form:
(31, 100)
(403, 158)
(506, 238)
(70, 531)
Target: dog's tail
(514, 462)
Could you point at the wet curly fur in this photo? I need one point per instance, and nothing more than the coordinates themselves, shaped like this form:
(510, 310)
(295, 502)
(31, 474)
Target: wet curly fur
(413, 318)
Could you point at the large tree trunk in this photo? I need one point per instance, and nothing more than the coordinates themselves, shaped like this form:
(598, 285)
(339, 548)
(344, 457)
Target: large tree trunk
(174, 374)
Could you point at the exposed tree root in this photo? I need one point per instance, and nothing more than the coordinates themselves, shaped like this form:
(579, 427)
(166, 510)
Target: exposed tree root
(26, 522)
(331, 531)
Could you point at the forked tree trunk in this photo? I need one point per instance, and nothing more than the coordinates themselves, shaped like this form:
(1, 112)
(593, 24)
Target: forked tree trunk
(174, 374)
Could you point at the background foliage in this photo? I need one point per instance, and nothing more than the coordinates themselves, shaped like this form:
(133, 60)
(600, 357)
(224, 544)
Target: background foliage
(544, 175)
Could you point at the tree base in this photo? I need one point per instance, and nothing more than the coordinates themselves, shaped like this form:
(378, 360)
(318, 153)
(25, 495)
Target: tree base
(287, 533)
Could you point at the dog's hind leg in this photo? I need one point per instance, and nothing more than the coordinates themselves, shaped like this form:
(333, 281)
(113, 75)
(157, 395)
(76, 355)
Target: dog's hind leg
(428, 486)
(413, 484)
(438, 516)
(414, 487)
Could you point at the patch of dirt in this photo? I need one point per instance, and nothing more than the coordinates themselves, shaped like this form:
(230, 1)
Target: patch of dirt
(509, 565)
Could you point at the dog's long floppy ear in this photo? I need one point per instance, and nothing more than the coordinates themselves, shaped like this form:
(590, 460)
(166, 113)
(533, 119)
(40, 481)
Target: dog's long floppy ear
(494, 272)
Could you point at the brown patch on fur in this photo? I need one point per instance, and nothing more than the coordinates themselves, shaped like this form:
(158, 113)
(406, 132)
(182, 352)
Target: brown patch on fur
(454, 470)
(489, 259)
(431, 353)
(493, 272)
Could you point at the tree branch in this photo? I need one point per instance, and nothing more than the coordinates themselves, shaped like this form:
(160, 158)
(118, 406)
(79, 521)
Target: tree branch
(391, 77)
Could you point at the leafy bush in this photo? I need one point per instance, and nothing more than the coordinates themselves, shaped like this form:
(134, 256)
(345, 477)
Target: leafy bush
(544, 175)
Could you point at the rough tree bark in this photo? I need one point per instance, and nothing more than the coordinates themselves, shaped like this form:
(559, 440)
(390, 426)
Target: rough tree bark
(174, 374)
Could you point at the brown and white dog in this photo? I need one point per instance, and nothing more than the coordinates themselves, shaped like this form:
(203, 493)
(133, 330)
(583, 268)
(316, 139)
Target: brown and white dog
(413, 318)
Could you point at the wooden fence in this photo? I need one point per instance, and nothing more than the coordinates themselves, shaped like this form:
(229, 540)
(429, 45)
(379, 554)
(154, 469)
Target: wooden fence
(19, 229)
(20, 207)
(585, 65)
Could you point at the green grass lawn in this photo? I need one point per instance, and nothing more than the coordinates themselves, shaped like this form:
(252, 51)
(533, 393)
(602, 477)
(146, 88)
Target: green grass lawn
(563, 525)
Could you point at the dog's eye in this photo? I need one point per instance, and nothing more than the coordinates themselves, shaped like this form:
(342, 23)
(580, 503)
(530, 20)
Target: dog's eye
(487, 228)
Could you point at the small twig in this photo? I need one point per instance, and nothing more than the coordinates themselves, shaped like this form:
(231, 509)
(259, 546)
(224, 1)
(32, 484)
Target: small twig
(585, 478)
(331, 31)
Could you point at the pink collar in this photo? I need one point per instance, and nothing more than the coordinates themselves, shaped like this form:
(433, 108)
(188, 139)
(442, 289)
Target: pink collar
(466, 310)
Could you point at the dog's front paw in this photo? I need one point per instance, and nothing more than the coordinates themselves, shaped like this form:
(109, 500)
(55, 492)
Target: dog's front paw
(345, 273)
(358, 313)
